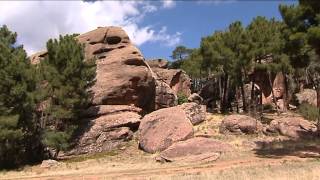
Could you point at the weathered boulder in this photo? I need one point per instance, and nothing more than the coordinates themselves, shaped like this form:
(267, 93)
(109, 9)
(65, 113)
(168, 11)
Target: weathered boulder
(164, 97)
(195, 149)
(240, 124)
(294, 127)
(37, 57)
(196, 98)
(111, 127)
(308, 96)
(177, 79)
(195, 113)
(49, 163)
(160, 129)
(158, 63)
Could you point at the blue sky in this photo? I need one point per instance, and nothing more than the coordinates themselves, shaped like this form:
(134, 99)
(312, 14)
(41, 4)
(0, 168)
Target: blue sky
(156, 27)
(195, 20)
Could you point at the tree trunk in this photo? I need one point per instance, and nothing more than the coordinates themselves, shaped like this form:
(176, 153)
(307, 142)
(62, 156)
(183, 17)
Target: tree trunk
(285, 94)
(318, 105)
(273, 98)
(237, 99)
(220, 91)
(252, 98)
(261, 105)
(318, 96)
(225, 93)
(243, 94)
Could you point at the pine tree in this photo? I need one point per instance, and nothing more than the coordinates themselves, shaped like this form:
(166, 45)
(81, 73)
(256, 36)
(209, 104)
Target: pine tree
(303, 40)
(265, 41)
(179, 54)
(66, 78)
(17, 123)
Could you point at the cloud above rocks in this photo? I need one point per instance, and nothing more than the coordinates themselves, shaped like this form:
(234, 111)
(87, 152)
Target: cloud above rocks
(37, 21)
(168, 3)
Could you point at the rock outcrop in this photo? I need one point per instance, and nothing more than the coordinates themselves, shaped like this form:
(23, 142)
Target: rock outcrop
(164, 97)
(196, 98)
(195, 113)
(158, 63)
(238, 124)
(307, 96)
(177, 79)
(169, 83)
(106, 128)
(294, 127)
(122, 75)
(195, 150)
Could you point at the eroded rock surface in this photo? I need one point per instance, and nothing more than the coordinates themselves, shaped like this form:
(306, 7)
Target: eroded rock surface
(307, 96)
(195, 149)
(169, 83)
(294, 127)
(165, 97)
(237, 124)
(111, 127)
(195, 113)
(196, 98)
(158, 63)
(160, 129)
(122, 75)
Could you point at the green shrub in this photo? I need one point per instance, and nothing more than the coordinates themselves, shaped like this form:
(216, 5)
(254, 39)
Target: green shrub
(309, 111)
(182, 98)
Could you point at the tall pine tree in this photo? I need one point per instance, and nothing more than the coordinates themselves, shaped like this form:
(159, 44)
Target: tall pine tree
(17, 84)
(66, 79)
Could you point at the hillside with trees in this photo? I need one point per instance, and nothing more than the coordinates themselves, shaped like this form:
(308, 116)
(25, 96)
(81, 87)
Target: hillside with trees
(245, 101)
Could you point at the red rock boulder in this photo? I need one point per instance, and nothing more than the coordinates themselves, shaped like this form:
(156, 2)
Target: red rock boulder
(160, 129)
(195, 149)
(238, 124)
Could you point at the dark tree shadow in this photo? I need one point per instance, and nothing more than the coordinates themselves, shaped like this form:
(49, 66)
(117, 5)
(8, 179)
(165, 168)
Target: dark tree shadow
(306, 147)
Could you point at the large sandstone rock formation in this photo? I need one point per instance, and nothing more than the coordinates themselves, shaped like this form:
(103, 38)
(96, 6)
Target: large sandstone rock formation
(294, 127)
(195, 149)
(240, 124)
(122, 75)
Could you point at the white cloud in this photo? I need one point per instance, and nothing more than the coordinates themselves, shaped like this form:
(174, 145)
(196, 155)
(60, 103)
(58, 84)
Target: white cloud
(170, 40)
(215, 2)
(37, 21)
(168, 3)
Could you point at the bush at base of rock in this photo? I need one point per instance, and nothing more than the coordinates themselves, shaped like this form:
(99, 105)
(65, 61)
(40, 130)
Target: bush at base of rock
(182, 98)
(309, 111)
(238, 124)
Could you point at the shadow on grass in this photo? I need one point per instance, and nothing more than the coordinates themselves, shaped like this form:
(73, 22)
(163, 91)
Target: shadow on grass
(304, 148)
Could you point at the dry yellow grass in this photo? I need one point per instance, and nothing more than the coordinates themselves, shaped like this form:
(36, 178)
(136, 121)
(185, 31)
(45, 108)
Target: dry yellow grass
(131, 163)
